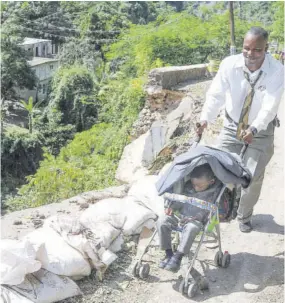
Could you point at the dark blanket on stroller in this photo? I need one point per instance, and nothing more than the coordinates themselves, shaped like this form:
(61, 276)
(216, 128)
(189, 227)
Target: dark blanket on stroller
(227, 167)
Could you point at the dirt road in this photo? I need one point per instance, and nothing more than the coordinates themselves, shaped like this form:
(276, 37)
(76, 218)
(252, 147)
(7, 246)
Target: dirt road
(256, 272)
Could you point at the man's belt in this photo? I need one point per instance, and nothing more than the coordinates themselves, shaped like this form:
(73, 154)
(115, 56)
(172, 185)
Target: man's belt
(275, 121)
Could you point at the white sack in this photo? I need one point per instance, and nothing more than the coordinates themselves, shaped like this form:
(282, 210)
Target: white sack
(105, 219)
(56, 255)
(17, 258)
(11, 296)
(125, 214)
(84, 240)
(138, 216)
(144, 190)
(46, 287)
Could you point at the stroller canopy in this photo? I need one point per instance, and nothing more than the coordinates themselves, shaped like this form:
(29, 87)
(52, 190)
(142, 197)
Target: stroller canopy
(227, 167)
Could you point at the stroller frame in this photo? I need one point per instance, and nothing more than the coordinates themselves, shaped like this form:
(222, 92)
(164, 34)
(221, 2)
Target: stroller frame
(187, 285)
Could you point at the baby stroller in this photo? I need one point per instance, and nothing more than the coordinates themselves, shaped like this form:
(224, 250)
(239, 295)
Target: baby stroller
(230, 170)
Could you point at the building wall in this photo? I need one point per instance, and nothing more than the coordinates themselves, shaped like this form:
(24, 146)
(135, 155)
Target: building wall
(40, 49)
(45, 70)
(38, 94)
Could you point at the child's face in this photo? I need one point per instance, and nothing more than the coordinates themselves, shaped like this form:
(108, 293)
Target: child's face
(201, 184)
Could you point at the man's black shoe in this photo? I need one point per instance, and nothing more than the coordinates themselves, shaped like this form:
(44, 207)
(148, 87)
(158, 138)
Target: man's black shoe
(245, 227)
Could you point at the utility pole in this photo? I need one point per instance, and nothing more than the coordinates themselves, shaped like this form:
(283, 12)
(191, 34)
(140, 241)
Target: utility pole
(232, 28)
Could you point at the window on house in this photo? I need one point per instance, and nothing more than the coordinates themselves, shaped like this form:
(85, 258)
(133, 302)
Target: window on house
(51, 67)
(44, 88)
(37, 51)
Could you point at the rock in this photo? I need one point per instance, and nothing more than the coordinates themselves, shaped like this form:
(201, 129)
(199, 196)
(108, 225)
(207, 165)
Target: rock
(212, 279)
(18, 222)
(38, 223)
(131, 164)
(42, 216)
(83, 205)
(110, 192)
(130, 246)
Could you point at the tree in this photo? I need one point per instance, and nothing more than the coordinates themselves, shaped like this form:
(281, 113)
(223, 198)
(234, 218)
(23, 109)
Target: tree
(73, 99)
(277, 28)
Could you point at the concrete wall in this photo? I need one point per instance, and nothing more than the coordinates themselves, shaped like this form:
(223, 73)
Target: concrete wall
(168, 77)
(46, 70)
(44, 49)
(40, 93)
(44, 73)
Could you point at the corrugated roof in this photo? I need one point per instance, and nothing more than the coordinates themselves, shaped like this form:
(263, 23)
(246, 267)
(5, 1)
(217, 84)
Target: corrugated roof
(33, 41)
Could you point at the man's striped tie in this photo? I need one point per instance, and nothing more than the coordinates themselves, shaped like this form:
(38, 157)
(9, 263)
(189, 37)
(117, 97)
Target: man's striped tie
(243, 120)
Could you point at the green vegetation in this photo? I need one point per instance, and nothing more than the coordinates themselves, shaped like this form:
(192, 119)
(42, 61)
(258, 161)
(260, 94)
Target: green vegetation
(107, 49)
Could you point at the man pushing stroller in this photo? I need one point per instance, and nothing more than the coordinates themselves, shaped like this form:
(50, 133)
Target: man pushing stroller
(202, 185)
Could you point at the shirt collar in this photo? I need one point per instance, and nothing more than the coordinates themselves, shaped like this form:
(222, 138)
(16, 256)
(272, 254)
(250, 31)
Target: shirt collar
(264, 67)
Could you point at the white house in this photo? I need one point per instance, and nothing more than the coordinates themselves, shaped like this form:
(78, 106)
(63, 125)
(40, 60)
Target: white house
(40, 47)
(44, 64)
(44, 69)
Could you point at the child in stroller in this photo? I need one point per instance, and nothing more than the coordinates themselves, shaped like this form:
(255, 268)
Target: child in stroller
(202, 185)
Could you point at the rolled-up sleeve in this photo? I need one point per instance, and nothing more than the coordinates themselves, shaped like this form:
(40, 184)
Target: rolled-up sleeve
(216, 95)
(270, 101)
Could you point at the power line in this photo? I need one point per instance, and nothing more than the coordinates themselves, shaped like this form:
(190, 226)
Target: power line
(70, 38)
(75, 30)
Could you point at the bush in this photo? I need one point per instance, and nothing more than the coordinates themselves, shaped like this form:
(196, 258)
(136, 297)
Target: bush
(73, 99)
(20, 155)
(89, 162)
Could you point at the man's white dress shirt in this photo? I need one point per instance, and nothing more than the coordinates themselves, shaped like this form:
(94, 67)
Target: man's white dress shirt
(230, 88)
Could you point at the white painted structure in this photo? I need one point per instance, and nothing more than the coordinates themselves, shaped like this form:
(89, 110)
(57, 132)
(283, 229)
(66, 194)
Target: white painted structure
(44, 64)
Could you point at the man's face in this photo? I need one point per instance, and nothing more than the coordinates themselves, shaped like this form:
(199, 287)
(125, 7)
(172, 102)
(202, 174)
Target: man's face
(254, 50)
(201, 184)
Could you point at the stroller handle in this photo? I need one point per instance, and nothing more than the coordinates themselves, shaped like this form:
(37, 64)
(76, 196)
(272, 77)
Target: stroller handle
(243, 150)
(189, 200)
(199, 136)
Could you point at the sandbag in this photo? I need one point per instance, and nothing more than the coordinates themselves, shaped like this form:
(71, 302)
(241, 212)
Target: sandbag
(46, 287)
(18, 258)
(88, 243)
(123, 215)
(144, 190)
(56, 255)
(105, 219)
(137, 216)
(9, 295)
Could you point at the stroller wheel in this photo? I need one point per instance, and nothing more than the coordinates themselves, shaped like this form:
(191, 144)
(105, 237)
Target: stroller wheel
(203, 283)
(192, 290)
(135, 269)
(182, 288)
(144, 271)
(226, 260)
(218, 259)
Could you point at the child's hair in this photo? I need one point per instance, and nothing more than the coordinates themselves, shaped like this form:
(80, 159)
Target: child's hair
(201, 171)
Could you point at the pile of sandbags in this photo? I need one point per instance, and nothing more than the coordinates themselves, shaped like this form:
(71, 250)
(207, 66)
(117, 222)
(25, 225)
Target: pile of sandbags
(23, 280)
(42, 266)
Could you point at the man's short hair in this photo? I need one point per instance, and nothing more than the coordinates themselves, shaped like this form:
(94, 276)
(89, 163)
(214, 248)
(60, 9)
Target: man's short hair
(202, 171)
(259, 32)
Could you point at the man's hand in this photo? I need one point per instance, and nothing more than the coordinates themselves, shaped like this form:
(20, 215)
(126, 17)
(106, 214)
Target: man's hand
(201, 127)
(247, 136)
